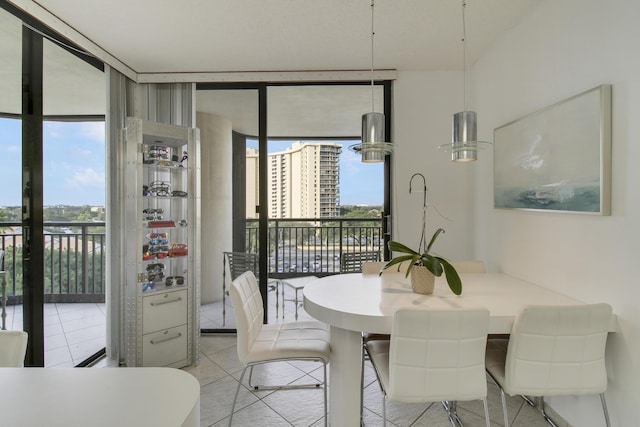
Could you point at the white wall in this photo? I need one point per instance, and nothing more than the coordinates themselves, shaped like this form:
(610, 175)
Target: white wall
(424, 104)
(561, 49)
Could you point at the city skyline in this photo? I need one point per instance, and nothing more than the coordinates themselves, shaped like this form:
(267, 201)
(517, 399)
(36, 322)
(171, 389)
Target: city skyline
(74, 166)
(360, 183)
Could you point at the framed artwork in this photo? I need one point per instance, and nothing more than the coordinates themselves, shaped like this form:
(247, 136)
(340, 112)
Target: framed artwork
(557, 159)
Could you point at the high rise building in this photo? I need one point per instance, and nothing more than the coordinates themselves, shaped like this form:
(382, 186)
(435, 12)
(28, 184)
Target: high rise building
(304, 181)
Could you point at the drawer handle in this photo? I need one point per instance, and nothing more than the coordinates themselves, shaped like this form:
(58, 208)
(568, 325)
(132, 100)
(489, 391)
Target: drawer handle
(167, 338)
(169, 301)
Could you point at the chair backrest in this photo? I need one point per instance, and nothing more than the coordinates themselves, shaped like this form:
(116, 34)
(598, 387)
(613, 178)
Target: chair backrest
(13, 348)
(247, 310)
(239, 262)
(438, 355)
(372, 267)
(469, 266)
(558, 350)
(351, 262)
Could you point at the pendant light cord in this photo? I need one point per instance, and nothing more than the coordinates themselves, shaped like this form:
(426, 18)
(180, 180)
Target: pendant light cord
(464, 56)
(372, 36)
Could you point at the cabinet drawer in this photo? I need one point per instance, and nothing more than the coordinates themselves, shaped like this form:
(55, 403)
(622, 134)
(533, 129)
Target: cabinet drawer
(164, 310)
(164, 347)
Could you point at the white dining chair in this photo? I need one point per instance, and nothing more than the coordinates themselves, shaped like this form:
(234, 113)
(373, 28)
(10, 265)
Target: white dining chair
(259, 343)
(13, 348)
(552, 351)
(352, 262)
(433, 356)
(372, 267)
(469, 266)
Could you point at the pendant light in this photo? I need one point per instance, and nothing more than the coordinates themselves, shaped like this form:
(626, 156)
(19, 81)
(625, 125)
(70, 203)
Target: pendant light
(464, 142)
(373, 147)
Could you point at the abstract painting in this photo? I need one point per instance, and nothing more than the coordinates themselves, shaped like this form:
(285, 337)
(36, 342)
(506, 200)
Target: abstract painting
(557, 159)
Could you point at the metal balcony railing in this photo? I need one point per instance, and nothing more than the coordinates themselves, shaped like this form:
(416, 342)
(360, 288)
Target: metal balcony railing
(75, 252)
(74, 261)
(301, 246)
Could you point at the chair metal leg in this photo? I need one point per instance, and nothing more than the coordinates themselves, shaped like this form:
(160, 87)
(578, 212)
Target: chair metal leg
(3, 282)
(606, 411)
(282, 387)
(224, 290)
(326, 413)
(544, 414)
(451, 407)
(362, 389)
(296, 303)
(384, 409)
(504, 401)
(278, 387)
(504, 408)
(486, 412)
(235, 398)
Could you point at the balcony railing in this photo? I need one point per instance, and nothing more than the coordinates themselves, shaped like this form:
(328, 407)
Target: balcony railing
(75, 252)
(302, 246)
(74, 261)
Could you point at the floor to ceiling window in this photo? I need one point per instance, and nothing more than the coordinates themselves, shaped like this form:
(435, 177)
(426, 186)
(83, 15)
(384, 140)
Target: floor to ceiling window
(298, 197)
(52, 106)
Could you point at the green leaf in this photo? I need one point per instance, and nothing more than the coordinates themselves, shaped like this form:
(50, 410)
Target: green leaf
(398, 260)
(433, 239)
(453, 279)
(432, 264)
(399, 247)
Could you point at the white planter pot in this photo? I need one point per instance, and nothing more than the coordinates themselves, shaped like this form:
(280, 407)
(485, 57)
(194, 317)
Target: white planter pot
(422, 280)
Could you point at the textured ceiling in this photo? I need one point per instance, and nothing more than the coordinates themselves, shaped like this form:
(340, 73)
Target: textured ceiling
(159, 37)
(163, 36)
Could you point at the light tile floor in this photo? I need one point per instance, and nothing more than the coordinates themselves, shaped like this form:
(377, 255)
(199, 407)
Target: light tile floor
(75, 331)
(219, 370)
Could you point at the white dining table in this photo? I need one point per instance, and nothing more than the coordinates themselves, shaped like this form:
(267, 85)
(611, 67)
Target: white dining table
(99, 397)
(356, 303)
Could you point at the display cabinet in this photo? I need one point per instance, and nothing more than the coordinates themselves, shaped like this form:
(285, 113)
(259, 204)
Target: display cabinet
(162, 216)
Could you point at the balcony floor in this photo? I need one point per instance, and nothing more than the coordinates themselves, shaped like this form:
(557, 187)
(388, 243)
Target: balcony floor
(72, 332)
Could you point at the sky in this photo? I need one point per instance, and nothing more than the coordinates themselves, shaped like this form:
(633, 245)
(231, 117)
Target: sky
(74, 166)
(73, 163)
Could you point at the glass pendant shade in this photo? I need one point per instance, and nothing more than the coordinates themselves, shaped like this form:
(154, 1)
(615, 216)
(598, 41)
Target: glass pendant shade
(373, 148)
(464, 144)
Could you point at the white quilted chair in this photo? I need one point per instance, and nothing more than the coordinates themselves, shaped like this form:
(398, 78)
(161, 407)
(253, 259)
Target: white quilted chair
(553, 350)
(13, 348)
(374, 267)
(470, 266)
(433, 355)
(260, 343)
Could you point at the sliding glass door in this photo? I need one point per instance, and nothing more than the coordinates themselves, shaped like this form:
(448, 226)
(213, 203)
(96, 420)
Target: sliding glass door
(52, 105)
(292, 176)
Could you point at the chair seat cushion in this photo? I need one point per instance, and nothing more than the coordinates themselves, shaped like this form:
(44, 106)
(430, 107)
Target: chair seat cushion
(307, 339)
(379, 354)
(495, 358)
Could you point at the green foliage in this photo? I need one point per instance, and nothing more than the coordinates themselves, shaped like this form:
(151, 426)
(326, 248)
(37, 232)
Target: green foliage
(63, 273)
(435, 264)
(360, 211)
(63, 256)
